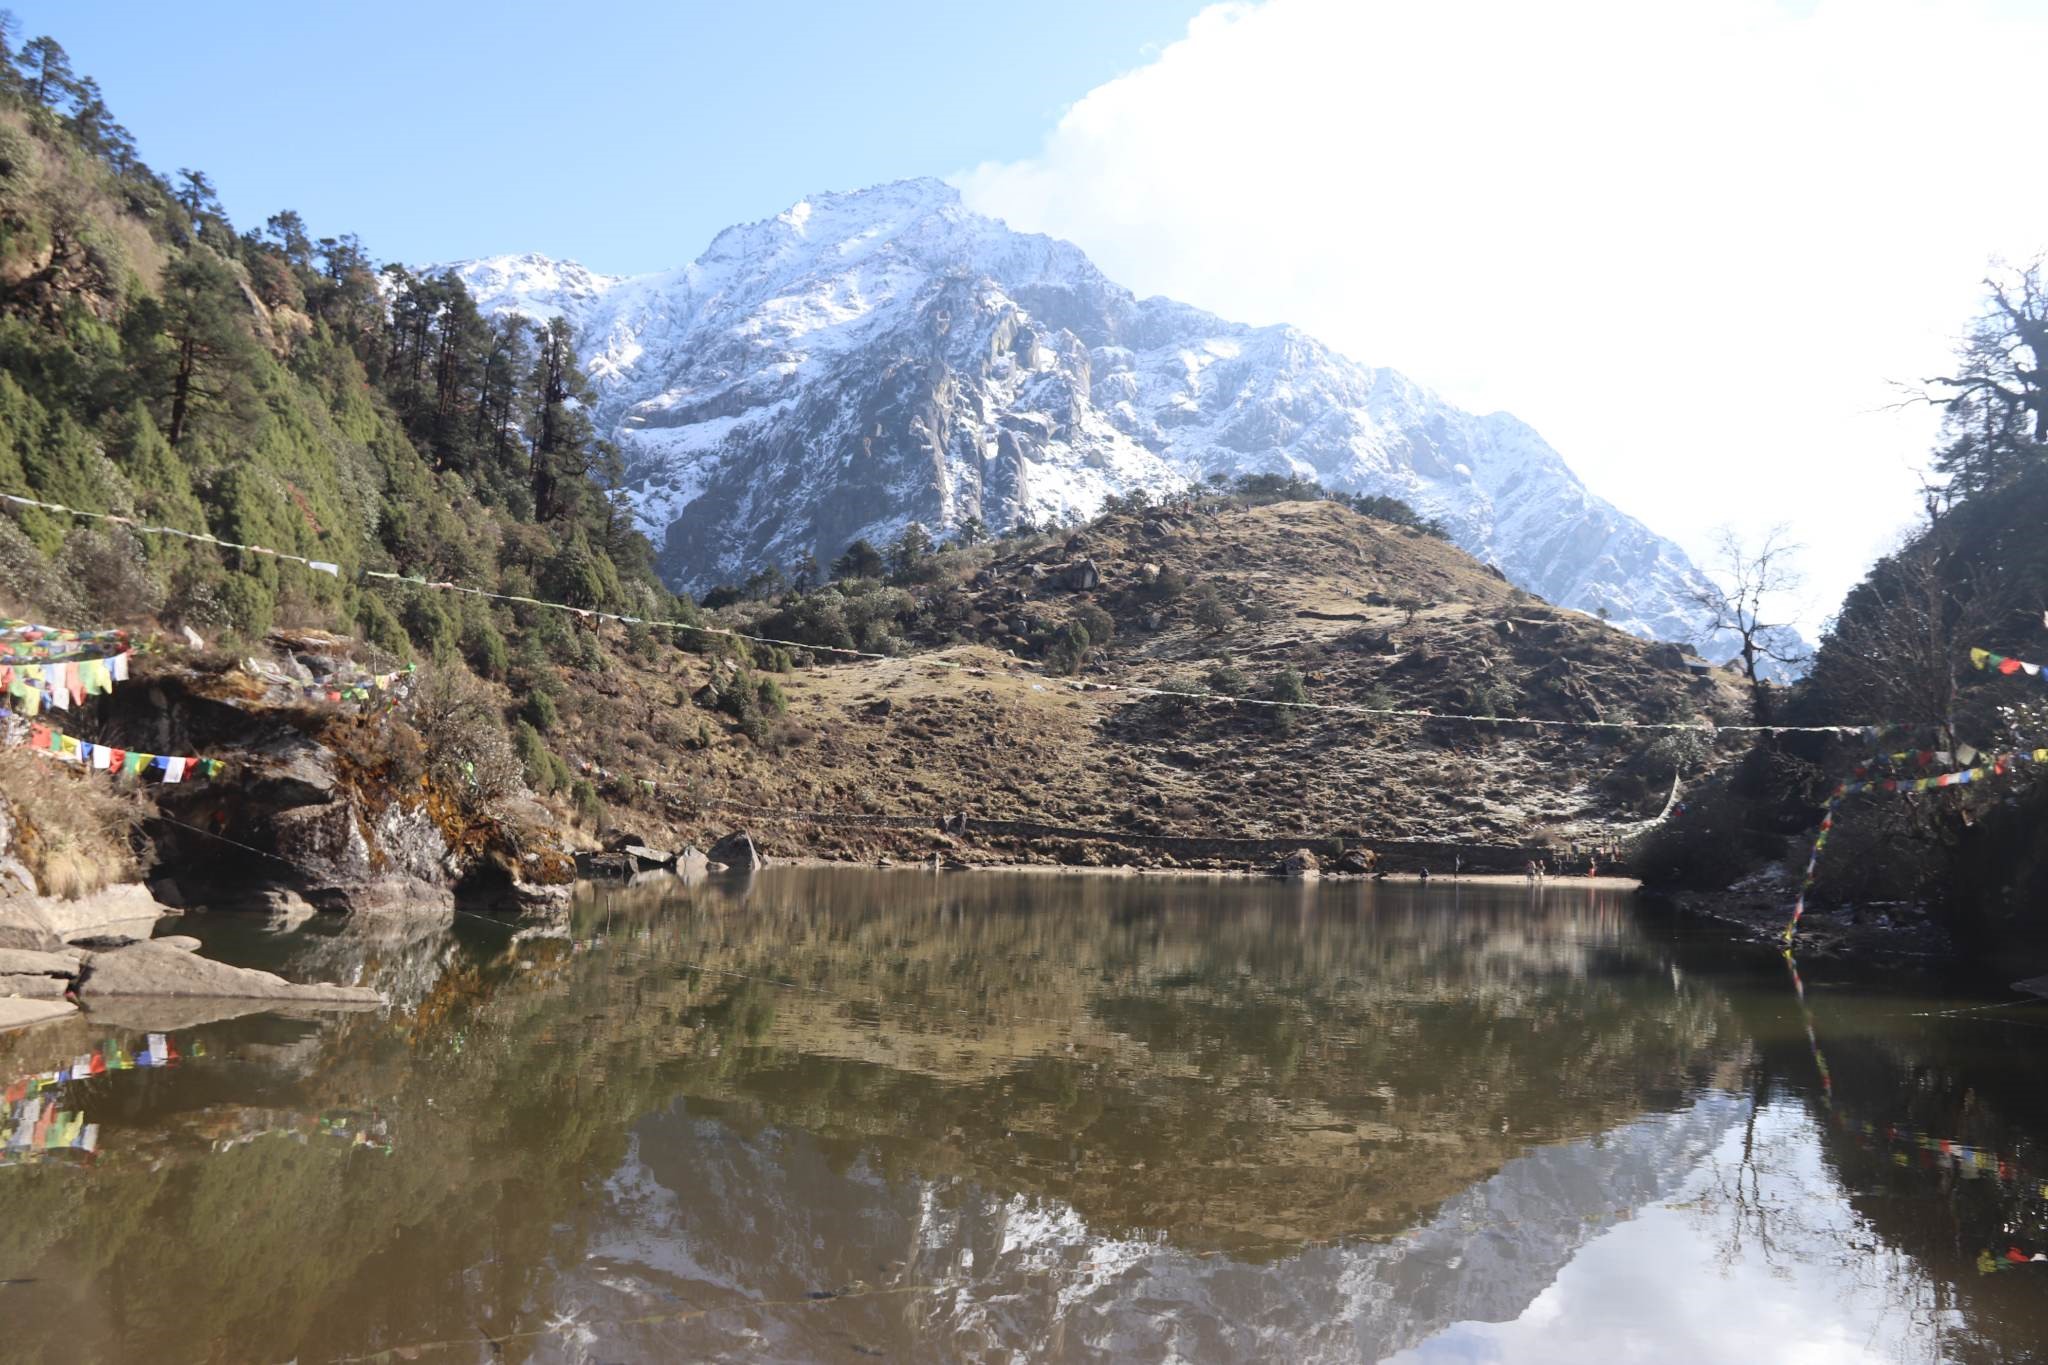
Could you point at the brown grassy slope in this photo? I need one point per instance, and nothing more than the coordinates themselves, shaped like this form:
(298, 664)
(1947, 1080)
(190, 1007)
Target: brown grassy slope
(1401, 619)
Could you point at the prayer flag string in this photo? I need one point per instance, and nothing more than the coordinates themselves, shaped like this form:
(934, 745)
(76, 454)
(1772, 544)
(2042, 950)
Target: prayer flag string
(1999, 765)
(108, 758)
(1985, 660)
(1707, 728)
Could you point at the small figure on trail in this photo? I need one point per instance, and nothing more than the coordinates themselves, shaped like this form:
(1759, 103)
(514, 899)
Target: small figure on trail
(1423, 875)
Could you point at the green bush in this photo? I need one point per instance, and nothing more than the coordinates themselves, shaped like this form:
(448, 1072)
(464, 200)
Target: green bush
(545, 771)
(589, 805)
(1286, 686)
(430, 627)
(1099, 624)
(1212, 613)
(540, 712)
(1228, 680)
(376, 623)
(485, 649)
(249, 605)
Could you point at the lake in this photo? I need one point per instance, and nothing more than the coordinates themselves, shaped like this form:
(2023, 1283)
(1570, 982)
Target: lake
(897, 1115)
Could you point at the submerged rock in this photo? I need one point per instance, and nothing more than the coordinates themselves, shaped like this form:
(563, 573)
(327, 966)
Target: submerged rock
(737, 852)
(604, 865)
(646, 859)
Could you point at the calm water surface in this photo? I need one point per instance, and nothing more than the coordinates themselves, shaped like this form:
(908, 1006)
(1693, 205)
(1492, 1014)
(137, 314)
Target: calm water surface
(834, 1115)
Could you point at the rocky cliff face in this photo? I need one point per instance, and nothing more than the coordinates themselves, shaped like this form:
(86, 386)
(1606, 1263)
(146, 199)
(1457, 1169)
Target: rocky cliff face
(865, 360)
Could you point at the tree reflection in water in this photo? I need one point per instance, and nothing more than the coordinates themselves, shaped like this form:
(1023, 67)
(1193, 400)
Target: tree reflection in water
(1065, 1116)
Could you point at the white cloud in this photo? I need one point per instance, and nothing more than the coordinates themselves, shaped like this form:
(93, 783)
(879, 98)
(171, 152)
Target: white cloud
(1691, 244)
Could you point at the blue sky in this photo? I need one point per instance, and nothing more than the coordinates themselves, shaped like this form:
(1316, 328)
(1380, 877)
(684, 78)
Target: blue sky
(623, 135)
(1696, 246)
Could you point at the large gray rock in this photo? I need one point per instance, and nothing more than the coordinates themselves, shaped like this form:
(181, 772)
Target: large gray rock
(737, 852)
(35, 987)
(1083, 576)
(290, 771)
(409, 868)
(1300, 864)
(18, 962)
(45, 923)
(646, 859)
(153, 969)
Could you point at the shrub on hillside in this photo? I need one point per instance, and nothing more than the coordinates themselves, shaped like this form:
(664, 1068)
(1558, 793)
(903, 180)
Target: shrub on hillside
(485, 650)
(72, 829)
(589, 805)
(111, 570)
(1099, 624)
(468, 751)
(1707, 846)
(1228, 680)
(1211, 612)
(1290, 689)
(545, 771)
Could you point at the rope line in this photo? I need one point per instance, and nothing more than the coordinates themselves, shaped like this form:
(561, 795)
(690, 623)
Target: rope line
(1703, 727)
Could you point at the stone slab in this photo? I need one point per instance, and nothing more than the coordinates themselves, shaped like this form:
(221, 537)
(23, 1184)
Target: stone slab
(151, 969)
(18, 962)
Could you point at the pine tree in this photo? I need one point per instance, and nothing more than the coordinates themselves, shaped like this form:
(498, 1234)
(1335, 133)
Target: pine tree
(461, 344)
(507, 366)
(860, 560)
(45, 69)
(560, 430)
(909, 551)
(288, 231)
(207, 338)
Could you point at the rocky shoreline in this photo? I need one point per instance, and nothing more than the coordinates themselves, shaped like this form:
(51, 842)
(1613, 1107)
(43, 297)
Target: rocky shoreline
(58, 957)
(1879, 936)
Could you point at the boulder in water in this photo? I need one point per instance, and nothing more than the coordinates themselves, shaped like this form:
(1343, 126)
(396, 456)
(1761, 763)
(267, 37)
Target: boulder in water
(738, 853)
(1300, 864)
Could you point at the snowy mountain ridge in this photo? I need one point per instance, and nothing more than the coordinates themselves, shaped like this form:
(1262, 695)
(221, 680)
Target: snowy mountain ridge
(868, 359)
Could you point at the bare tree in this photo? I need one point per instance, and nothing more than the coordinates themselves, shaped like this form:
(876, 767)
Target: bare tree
(1897, 647)
(1744, 591)
(1995, 403)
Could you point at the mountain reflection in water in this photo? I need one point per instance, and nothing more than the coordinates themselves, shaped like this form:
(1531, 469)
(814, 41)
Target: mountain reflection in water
(836, 1113)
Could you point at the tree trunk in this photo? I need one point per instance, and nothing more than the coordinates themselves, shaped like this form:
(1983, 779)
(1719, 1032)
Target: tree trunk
(181, 388)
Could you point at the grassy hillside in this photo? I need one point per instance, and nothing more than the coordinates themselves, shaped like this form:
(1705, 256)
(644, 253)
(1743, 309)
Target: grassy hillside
(1295, 599)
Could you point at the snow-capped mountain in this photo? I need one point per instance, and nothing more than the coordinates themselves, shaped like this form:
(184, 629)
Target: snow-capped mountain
(869, 359)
